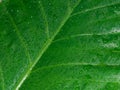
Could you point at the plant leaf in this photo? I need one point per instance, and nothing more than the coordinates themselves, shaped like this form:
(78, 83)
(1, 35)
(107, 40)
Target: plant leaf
(27, 28)
(81, 40)
(85, 53)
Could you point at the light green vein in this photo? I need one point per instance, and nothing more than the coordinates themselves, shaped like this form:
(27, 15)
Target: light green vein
(45, 46)
(45, 18)
(23, 43)
(75, 64)
(94, 8)
(87, 34)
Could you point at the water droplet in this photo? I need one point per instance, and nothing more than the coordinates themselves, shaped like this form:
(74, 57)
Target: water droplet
(39, 2)
(50, 4)
(17, 10)
(31, 16)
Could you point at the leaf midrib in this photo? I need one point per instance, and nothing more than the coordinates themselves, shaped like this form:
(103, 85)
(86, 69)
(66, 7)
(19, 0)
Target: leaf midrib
(45, 46)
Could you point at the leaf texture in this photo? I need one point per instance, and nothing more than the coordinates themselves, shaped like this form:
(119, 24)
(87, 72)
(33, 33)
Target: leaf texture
(25, 36)
(65, 44)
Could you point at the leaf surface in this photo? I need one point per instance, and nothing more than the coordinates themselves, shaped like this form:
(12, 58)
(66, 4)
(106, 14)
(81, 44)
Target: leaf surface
(27, 28)
(72, 44)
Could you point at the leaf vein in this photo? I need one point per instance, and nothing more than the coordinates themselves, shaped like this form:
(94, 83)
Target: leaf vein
(86, 34)
(22, 41)
(46, 45)
(94, 8)
(49, 41)
(75, 64)
(45, 18)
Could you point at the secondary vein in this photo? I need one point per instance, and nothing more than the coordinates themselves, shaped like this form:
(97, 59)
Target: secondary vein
(46, 45)
(94, 8)
(87, 34)
(75, 64)
(22, 41)
(45, 18)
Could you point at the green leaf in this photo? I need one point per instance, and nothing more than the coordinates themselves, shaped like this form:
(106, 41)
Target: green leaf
(65, 44)
(27, 28)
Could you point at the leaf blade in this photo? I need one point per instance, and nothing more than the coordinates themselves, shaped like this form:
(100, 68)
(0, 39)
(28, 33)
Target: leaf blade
(20, 12)
(83, 55)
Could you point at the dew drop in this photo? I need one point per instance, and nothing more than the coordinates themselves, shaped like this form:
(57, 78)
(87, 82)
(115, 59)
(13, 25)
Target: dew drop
(39, 2)
(17, 10)
(50, 4)
(31, 16)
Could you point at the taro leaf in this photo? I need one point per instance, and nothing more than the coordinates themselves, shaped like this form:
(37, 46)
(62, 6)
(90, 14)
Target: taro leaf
(72, 44)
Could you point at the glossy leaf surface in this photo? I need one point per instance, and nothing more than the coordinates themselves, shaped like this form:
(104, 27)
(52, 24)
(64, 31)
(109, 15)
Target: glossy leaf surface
(65, 44)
